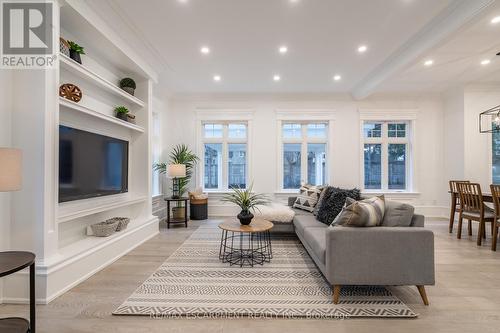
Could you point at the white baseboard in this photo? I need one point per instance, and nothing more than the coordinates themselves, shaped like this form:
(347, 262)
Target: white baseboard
(50, 284)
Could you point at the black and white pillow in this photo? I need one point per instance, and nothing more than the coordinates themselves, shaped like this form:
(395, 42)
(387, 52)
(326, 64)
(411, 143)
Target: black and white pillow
(364, 213)
(308, 197)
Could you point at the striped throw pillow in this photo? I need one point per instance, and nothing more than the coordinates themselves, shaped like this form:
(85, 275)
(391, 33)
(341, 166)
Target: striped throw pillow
(365, 213)
(308, 197)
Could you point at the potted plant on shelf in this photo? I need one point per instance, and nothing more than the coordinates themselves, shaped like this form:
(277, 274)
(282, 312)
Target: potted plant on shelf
(246, 200)
(121, 112)
(75, 51)
(128, 85)
(181, 154)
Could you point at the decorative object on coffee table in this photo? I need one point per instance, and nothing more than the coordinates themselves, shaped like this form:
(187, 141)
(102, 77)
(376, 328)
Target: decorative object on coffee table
(71, 92)
(246, 245)
(10, 263)
(75, 51)
(121, 113)
(246, 200)
(175, 219)
(104, 229)
(128, 85)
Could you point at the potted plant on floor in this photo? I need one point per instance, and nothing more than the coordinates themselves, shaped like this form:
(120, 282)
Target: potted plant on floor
(121, 113)
(75, 51)
(181, 154)
(246, 200)
(128, 85)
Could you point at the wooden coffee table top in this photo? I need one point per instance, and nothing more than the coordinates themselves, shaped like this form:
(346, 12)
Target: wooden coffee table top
(257, 225)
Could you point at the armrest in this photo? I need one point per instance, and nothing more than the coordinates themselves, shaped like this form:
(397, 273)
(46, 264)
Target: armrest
(380, 256)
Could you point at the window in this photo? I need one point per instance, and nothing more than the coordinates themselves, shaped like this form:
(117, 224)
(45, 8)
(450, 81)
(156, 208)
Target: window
(156, 150)
(495, 144)
(386, 154)
(304, 154)
(225, 155)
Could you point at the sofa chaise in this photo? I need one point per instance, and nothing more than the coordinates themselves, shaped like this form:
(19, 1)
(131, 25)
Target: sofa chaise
(388, 255)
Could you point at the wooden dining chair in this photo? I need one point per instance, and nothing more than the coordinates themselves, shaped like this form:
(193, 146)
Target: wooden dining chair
(473, 208)
(495, 193)
(455, 203)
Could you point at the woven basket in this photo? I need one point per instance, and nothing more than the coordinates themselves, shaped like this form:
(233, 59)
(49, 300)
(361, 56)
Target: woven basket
(122, 222)
(104, 229)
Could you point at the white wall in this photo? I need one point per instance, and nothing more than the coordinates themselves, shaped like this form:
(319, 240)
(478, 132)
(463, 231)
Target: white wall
(180, 127)
(477, 146)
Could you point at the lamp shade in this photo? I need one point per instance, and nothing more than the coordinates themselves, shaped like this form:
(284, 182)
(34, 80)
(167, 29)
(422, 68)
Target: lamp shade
(10, 169)
(176, 170)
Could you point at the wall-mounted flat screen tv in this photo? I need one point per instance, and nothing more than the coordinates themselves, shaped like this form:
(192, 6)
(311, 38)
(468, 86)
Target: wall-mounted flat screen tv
(91, 165)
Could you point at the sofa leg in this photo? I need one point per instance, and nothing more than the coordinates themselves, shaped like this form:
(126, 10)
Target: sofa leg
(423, 294)
(336, 294)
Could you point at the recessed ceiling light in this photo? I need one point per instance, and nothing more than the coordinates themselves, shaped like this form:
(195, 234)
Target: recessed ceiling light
(182, 1)
(283, 49)
(337, 77)
(485, 62)
(276, 77)
(362, 48)
(495, 20)
(205, 50)
(217, 78)
(429, 62)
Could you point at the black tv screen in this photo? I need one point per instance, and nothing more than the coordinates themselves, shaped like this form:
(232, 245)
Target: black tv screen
(91, 165)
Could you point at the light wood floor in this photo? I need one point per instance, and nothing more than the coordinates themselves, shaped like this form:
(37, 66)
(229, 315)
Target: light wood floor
(466, 297)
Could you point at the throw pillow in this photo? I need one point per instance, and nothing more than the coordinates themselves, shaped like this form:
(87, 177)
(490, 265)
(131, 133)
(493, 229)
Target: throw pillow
(320, 200)
(333, 201)
(307, 198)
(365, 213)
(397, 214)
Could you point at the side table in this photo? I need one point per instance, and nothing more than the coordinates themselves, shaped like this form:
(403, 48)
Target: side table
(11, 262)
(174, 220)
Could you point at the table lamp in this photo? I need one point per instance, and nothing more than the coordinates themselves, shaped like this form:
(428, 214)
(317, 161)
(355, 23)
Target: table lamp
(10, 169)
(176, 171)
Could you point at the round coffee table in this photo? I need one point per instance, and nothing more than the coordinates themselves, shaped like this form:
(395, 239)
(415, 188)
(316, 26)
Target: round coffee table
(245, 245)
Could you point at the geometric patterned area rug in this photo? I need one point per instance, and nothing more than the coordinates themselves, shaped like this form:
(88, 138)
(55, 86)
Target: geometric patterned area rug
(194, 283)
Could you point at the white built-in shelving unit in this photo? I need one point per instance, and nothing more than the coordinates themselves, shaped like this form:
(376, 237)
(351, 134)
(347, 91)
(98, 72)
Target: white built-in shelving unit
(66, 255)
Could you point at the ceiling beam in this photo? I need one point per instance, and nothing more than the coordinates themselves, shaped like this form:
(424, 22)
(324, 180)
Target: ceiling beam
(452, 18)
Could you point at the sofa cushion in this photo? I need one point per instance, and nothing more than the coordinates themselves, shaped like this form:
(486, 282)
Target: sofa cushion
(307, 198)
(364, 213)
(316, 241)
(397, 214)
(333, 202)
(301, 222)
(320, 200)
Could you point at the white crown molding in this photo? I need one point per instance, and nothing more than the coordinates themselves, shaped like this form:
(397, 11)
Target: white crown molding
(305, 114)
(452, 18)
(388, 114)
(224, 114)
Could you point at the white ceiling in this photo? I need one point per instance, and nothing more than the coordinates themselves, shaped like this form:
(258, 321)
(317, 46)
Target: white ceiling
(321, 35)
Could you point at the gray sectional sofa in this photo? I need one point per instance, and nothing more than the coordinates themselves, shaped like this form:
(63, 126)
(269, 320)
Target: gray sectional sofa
(389, 255)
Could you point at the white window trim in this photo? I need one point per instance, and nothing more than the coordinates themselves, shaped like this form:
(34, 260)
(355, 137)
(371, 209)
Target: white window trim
(223, 116)
(408, 116)
(303, 116)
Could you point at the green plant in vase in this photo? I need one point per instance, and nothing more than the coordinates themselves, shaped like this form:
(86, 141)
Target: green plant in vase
(121, 113)
(181, 154)
(246, 200)
(75, 51)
